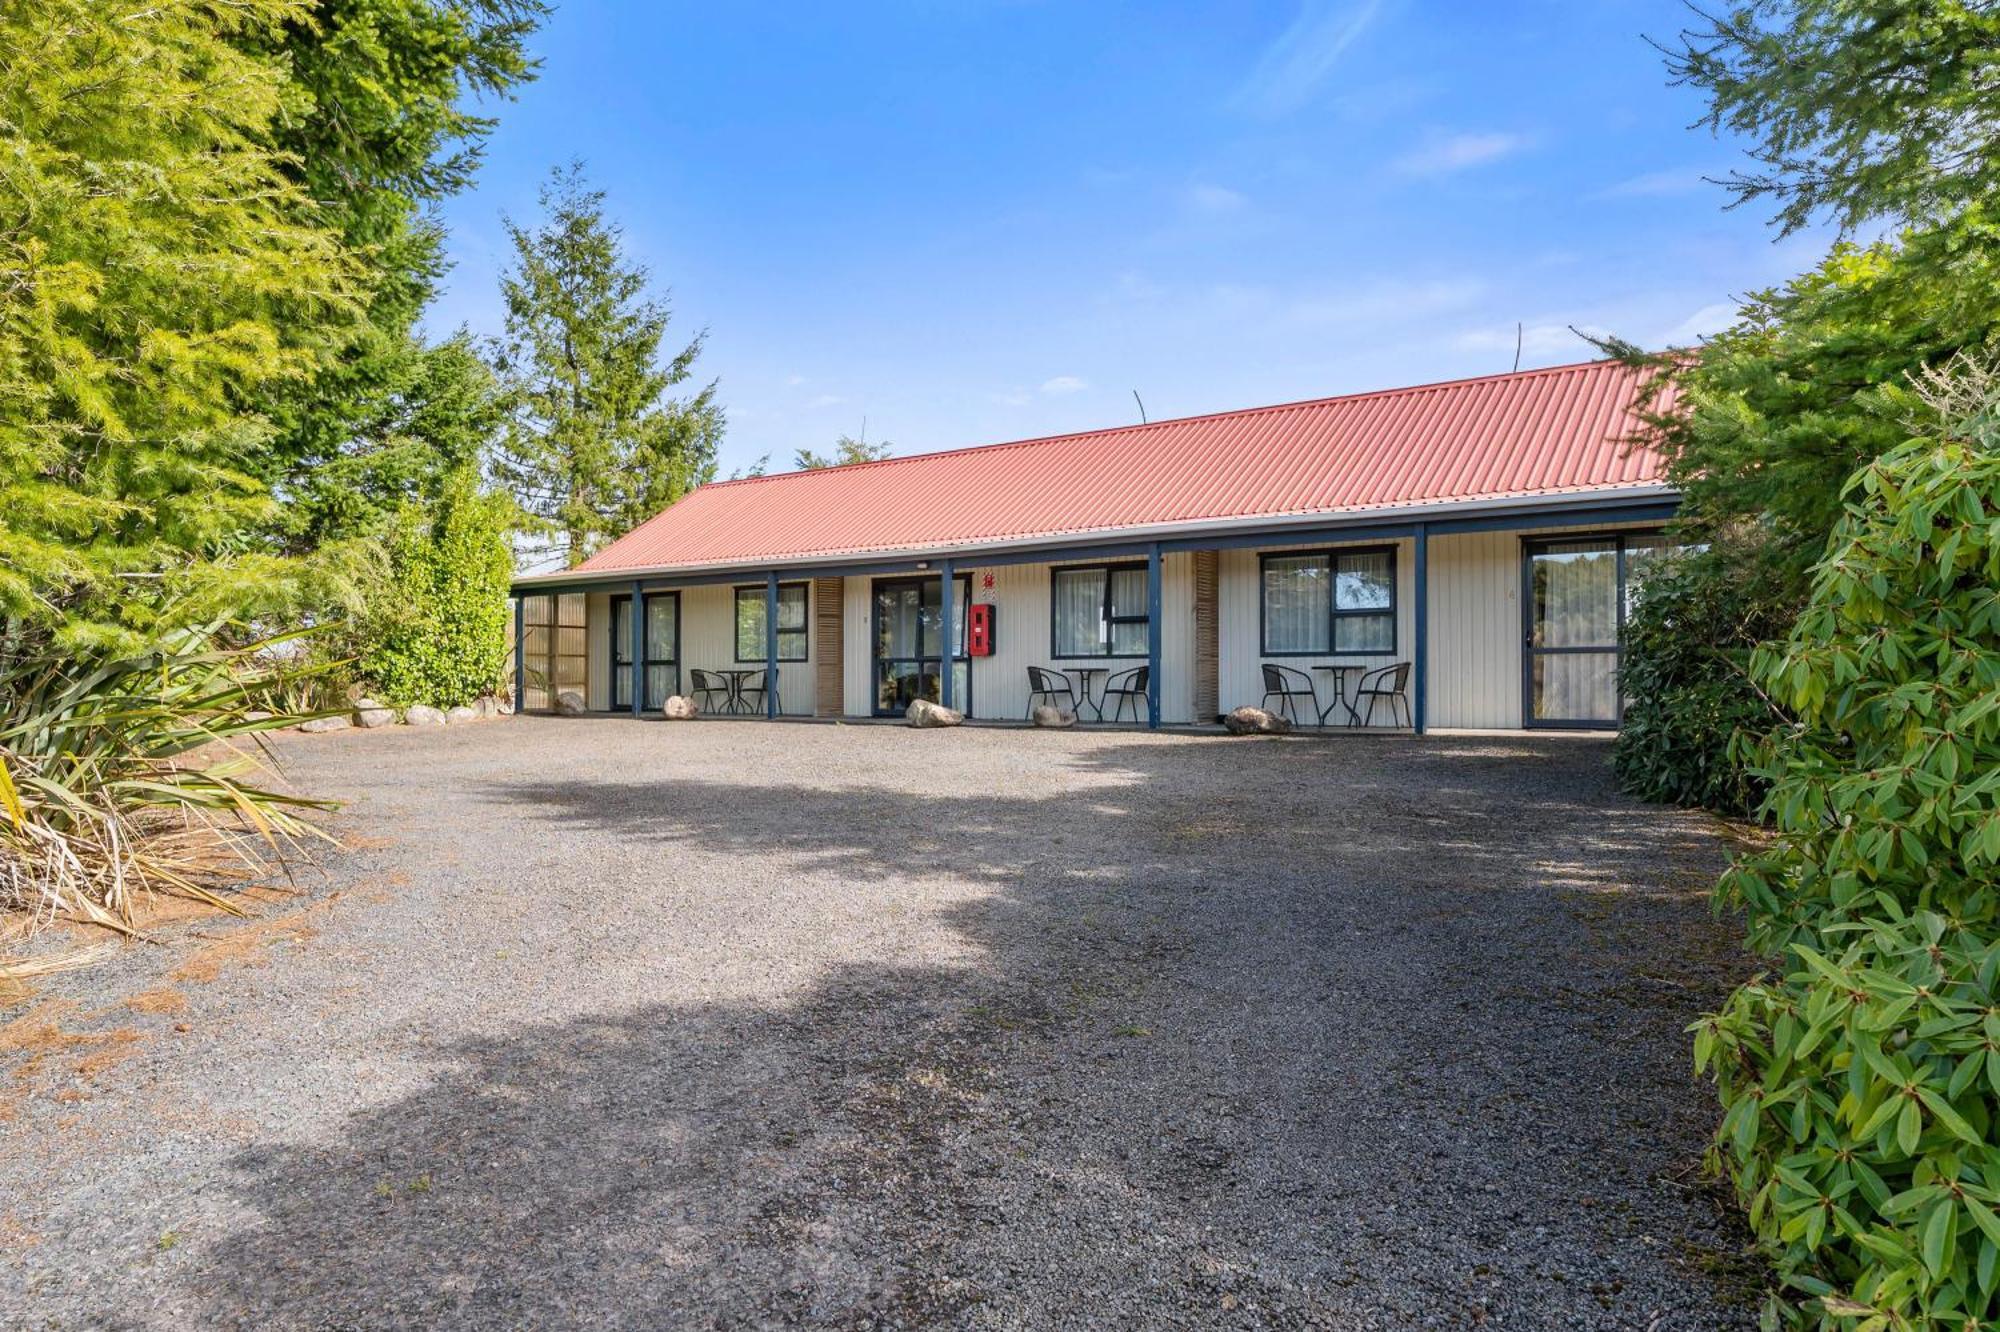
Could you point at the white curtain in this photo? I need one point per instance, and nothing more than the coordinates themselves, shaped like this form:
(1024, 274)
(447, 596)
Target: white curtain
(1297, 591)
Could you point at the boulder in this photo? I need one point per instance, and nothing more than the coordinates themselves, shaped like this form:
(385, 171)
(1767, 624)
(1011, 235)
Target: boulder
(678, 708)
(1044, 715)
(370, 714)
(462, 713)
(319, 724)
(926, 714)
(422, 715)
(569, 703)
(1256, 721)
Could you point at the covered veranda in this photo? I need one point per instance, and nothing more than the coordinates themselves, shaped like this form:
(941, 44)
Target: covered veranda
(1181, 650)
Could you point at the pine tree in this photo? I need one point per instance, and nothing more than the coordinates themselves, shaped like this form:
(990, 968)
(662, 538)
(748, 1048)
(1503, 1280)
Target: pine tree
(594, 445)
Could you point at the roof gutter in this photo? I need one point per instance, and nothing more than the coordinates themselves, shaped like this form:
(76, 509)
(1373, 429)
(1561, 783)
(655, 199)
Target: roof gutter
(1528, 506)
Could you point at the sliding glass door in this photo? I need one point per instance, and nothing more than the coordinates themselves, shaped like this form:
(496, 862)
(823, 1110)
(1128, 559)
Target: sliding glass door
(662, 648)
(909, 643)
(1577, 593)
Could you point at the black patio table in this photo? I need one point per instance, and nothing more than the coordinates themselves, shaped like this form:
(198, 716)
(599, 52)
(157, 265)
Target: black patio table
(1083, 698)
(736, 677)
(1340, 674)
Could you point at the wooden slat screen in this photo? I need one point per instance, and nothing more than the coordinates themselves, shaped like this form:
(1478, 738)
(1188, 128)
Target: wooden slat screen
(1207, 705)
(828, 659)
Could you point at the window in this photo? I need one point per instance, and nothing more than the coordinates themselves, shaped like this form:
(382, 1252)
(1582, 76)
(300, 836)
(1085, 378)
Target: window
(791, 623)
(1330, 603)
(1099, 611)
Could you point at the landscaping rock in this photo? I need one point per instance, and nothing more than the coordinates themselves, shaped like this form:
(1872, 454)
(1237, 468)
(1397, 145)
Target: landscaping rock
(462, 713)
(569, 703)
(926, 714)
(422, 715)
(678, 708)
(370, 714)
(1256, 721)
(1044, 715)
(319, 724)
(256, 715)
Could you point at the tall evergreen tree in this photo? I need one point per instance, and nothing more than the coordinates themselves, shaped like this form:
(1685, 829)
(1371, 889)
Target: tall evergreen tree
(159, 267)
(595, 444)
(378, 126)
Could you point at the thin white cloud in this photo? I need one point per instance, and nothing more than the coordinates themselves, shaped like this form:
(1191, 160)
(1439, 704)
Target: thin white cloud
(793, 381)
(826, 400)
(1655, 185)
(1386, 302)
(1064, 384)
(1014, 398)
(1293, 67)
(1703, 323)
(1445, 154)
(1213, 200)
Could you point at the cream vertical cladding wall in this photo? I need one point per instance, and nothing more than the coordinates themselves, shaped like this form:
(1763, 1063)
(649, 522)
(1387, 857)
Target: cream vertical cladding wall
(708, 642)
(1477, 625)
(857, 688)
(1475, 631)
(1021, 595)
(1239, 612)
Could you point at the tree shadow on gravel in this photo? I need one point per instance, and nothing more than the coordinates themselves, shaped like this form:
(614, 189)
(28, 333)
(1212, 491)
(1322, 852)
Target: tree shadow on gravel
(1307, 1040)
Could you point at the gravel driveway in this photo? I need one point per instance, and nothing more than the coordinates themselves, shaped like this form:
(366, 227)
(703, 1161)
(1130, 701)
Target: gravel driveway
(609, 1024)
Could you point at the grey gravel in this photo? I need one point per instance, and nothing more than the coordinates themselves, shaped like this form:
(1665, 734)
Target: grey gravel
(614, 1024)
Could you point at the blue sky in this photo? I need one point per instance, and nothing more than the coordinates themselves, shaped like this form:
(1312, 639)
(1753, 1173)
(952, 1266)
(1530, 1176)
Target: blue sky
(977, 221)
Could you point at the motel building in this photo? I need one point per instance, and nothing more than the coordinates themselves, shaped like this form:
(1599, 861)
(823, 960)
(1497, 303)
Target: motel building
(1458, 555)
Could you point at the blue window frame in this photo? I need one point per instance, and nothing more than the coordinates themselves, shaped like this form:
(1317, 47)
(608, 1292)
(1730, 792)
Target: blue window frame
(1328, 603)
(1098, 610)
(791, 622)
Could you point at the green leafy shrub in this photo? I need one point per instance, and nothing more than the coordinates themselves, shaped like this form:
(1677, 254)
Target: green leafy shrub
(1861, 1088)
(1686, 672)
(440, 633)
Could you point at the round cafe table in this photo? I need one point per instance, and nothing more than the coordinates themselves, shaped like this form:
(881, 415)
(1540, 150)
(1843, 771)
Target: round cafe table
(1083, 698)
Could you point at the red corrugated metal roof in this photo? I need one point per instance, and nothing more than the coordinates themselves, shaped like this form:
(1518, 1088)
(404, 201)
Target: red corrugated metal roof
(1561, 430)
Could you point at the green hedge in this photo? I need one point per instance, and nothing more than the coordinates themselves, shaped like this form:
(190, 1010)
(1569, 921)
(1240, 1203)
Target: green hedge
(1861, 1085)
(441, 635)
(1685, 671)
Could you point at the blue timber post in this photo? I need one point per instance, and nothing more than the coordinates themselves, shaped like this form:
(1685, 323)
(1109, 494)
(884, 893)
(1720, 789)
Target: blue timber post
(771, 646)
(638, 648)
(520, 654)
(948, 658)
(1423, 664)
(1153, 599)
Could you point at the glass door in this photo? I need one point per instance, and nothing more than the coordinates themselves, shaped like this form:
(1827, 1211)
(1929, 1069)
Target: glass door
(662, 647)
(909, 643)
(1578, 592)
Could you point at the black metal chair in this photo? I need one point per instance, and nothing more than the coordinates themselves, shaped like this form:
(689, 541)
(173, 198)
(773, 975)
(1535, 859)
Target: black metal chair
(1390, 682)
(711, 691)
(750, 694)
(1127, 687)
(1051, 685)
(1285, 684)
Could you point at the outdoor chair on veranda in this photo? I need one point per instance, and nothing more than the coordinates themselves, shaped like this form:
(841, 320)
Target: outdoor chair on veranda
(750, 693)
(1285, 684)
(711, 691)
(1391, 683)
(1127, 687)
(1051, 686)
